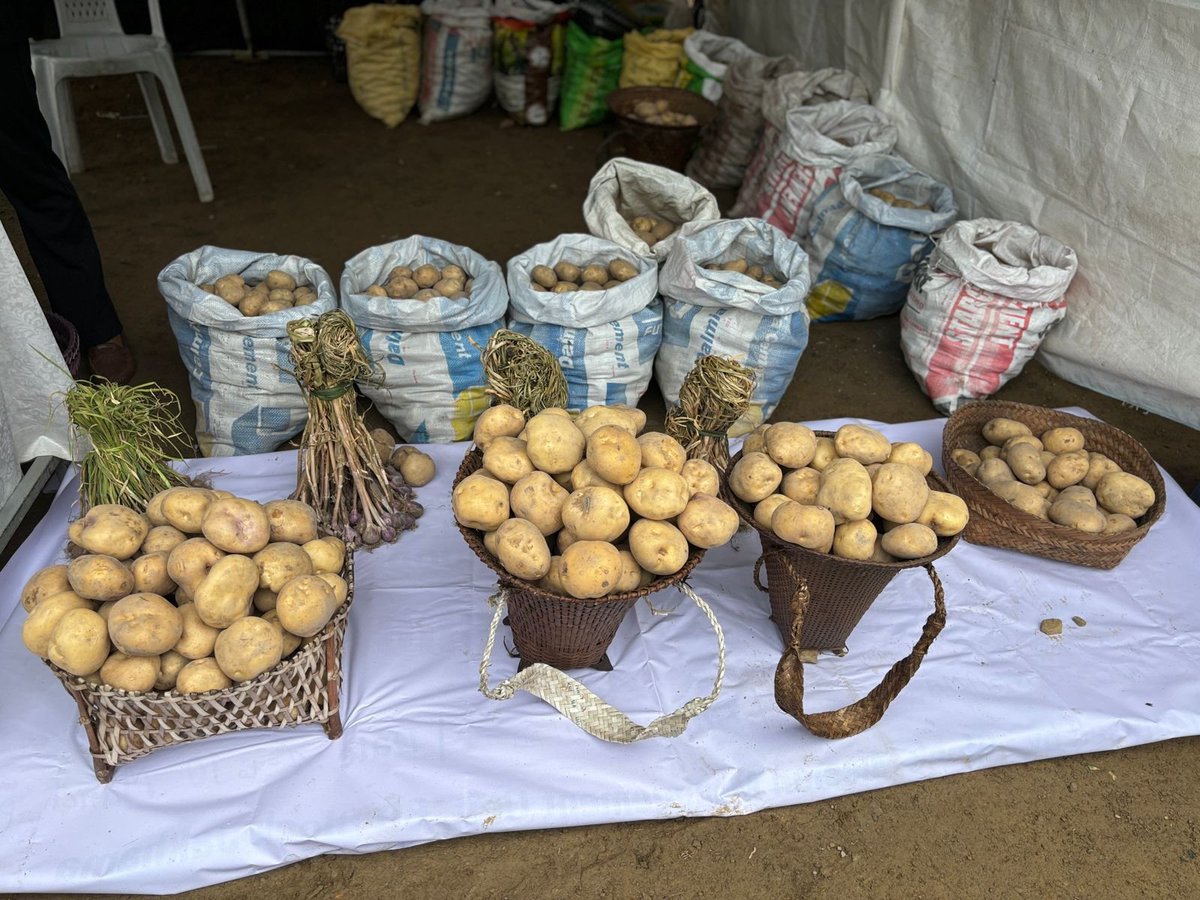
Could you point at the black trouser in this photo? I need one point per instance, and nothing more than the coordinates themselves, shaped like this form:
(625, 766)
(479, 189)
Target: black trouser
(55, 226)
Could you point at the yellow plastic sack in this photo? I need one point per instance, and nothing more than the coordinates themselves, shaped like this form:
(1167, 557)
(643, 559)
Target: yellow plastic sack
(383, 58)
(653, 60)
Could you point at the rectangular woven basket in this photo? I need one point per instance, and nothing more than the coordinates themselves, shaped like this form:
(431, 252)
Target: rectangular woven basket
(122, 726)
(996, 523)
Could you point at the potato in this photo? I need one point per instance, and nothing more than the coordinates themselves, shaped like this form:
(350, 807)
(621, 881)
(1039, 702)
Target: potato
(150, 574)
(1062, 440)
(622, 270)
(201, 676)
(197, 637)
(454, 272)
(184, 508)
(910, 541)
(291, 642)
(564, 539)
(131, 673)
(899, 494)
(997, 431)
(989, 452)
(756, 440)
(658, 494)
(236, 526)
(1078, 515)
(400, 288)
(111, 530)
(583, 475)
(790, 444)
(1068, 468)
(862, 443)
(807, 526)
(765, 508)
(967, 459)
(539, 498)
(908, 453)
(1125, 493)
(505, 459)
(522, 549)
(426, 276)
(663, 229)
(1048, 457)
(417, 468)
(994, 470)
(1043, 488)
(169, 666)
(544, 275)
(400, 272)
(594, 272)
(162, 539)
(590, 569)
(1025, 462)
(754, 477)
(278, 563)
(591, 286)
(735, 265)
(305, 605)
(563, 287)
(846, 489)
(595, 417)
(659, 547)
(341, 590)
(79, 642)
(248, 647)
(1118, 523)
(553, 580)
(707, 522)
(227, 592)
(282, 297)
(39, 626)
(565, 271)
(595, 514)
(448, 287)
(292, 521)
(95, 577)
(801, 485)
(554, 444)
(144, 625)
(426, 294)
(662, 451)
(1099, 465)
(630, 578)
(1078, 493)
(826, 453)
(304, 296)
(702, 477)
(856, 540)
(279, 280)
(1022, 496)
(328, 554)
(614, 454)
(880, 555)
(946, 514)
(45, 583)
(252, 304)
(480, 501)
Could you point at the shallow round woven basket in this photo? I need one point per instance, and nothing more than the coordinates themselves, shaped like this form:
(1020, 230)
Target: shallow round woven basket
(996, 523)
(67, 339)
(560, 631)
(122, 726)
(663, 145)
(841, 590)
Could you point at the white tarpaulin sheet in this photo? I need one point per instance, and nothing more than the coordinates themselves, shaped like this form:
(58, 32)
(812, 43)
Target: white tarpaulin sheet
(425, 756)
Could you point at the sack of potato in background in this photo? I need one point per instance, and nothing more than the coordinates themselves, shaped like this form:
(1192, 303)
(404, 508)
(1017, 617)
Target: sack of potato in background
(423, 308)
(235, 346)
(734, 288)
(706, 58)
(383, 58)
(868, 233)
(652, 59)
(456, 58)
(604, 334)
(802, 155)
(529, 46)
(593, 66)
(641, 206)
(980, 306)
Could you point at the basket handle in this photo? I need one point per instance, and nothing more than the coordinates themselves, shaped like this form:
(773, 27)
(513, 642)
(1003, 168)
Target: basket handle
(583, 707)
(856, 717)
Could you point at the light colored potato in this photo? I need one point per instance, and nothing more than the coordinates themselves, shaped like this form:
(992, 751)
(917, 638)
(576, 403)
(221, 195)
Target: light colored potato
(111, 530)
(754, 477)
(1062, 440)
(846, 489)
(1022, 496)
(802, 485)
(991, 451)
(1068, 468)
(227, 592)
(170, 664)
(596, 513)
(45, 583)
(992, 471)
(909, 453)
(154, 511)
(631, 573)
(657, 493)
(1078, 493)
(945, 513)
(702, 477)
(1047, 457)
(131, 673)
(184, 508)
(553, 580)
(756, 440)
(505, 459)
(480, 501)
(622, 270)
(162, 539)
(197, 637)
(967, 459)
(39, 625)
(595, 273)
(1043, 488)
(279, 563)
(305, 605)
(554, 444)
(539, 498)
(418, 469)
(328, 554)
(501, 420)
(292, 521)
(543, 275)
(248, 647)
(910, 541)
(806, 526)
(236, 525)
(1025, 462)
(1099, 465)
(96, 577)
(862, 443)
(427, 276)
(765, 508)
(150, 574)
(997, 431)
(79, 642)
(632, 420)
(856, 540)
(707, 521)
(590, 569)
(291, 642)
(583, 475)
(614, 454)
(825, 453)
(278, 280)
(144, 625)
(564, 539)
(791, 444)
(1125, 493)
(662, 451)
(201, 676)
(341, 590)
(899, 493)
(522, 549)
(659, 547)
(566, 271)
(1078, 515)
(1118, 523)
(880, 555)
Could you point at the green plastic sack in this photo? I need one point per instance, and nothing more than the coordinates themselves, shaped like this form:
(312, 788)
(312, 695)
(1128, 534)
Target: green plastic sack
(591, 74)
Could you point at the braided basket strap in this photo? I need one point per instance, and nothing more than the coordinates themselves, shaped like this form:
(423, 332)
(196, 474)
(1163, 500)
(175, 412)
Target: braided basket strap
(582, 706)
(857, 717)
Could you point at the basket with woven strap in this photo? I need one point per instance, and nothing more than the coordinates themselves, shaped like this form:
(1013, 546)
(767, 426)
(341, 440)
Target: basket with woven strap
(122, 726)
(996, 523)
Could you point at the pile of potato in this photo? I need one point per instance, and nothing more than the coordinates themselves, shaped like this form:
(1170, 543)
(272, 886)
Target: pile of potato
(278, 291)
(425, 282)
(659, 112)
(855, 495)
(1055, 478)
(620, 507)
(415, 467)
(652, 229)
(892, 200)
(596, 276)
(744, 267)
(203, 590)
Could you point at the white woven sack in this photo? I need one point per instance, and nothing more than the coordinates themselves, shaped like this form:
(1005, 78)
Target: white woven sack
(729, 314)
(239, 368)
(986, 297)
(605, 341)
(456, 58)
(624, 188)
(428, 350)
(706, 59)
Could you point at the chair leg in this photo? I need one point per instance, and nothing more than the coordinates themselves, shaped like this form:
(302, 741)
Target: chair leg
(47, 95)
(183, 124)
(70, 133)
(158, 116)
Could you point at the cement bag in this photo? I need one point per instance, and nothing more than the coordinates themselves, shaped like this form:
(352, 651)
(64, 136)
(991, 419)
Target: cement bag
(980, 306)
(247, 400)
(528, 45)
(727, 145)
(799, 161)
(605, 341)
(383, 58)
(456, 58)
(624, 189)
(706, 57)
(730, 314)
(592, 69)
(868, 233)
(652, 60)
(433, 384)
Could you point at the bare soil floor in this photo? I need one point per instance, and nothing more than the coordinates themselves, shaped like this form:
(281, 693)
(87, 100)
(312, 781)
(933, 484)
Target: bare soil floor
(298, 168)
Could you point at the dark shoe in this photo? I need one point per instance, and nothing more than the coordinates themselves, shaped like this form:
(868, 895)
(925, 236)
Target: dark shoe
(112, 361)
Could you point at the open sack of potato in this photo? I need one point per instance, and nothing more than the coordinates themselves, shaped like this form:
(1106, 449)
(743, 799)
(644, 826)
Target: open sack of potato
(641, 206)
(423, 307)
(235, 349)
(867, 234)
(839, 516)
(603, 334)
(734, 288)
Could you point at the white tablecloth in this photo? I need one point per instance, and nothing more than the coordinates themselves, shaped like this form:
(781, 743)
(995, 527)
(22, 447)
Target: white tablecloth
(425, 756)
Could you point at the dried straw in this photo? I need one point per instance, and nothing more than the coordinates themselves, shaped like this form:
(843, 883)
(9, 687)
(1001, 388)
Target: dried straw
(712, 397)
(523, 373)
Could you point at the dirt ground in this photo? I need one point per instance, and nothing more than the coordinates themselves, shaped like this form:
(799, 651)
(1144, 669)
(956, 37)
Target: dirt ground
(298, 168)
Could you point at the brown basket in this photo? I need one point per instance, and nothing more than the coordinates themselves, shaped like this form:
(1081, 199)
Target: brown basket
(122, 725)
(549, 628)
(996, 523)
(665, 145)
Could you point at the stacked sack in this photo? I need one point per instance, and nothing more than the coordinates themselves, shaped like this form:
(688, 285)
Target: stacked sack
(383, 58)
(456, 58)
(528, 45)
(595, 49)
(706, 58)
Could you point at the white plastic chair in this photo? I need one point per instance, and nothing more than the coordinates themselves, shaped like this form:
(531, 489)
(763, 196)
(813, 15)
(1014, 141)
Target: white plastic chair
(94, 43)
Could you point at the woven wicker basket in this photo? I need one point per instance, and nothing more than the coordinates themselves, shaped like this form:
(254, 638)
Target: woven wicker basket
(665, 145)
(122, 726)
(996, 523)
(549, 628)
